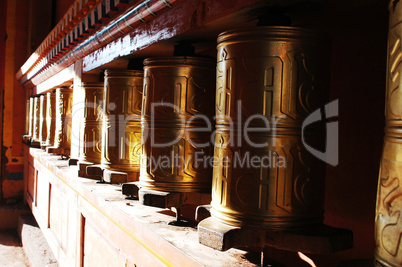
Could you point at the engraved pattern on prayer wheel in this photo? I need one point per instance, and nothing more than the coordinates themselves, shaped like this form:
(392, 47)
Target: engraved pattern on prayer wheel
(121, 130)
(91, 123)
(388, 221)
(269, 79)
(42, 123)
(51, 117)
(36, 118)
(64, 101)
(177, 91)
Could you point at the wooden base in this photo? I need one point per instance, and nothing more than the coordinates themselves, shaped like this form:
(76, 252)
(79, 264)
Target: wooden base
(110, 176)
(317, 239)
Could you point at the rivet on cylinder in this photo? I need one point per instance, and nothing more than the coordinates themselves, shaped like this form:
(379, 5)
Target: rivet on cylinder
(388, 223)
(62, 138)
(269, 79)
(121, 130)
(178, 107)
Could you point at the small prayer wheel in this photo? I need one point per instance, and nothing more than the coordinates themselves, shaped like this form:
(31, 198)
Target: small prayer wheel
(42, 122)
(178, 107)
(91, 123)
(27, 121)
(36, 119)
(388, 220)
(269, 79)
(62, 138)
(50, 117)
(121, 130)
(31, 116)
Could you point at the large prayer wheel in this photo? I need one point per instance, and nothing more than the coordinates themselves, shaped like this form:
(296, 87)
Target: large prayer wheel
(121, 130)
(178, 107)
(388, 222)
(269, 79)
(91, 123)
(42, 122)
(50, 117)
(62, 138)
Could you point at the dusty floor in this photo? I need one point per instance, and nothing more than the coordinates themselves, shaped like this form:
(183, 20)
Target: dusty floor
(11, 251)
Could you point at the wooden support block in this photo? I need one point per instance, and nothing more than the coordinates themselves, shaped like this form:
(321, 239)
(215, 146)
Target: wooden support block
(82, 169)
(130, 189)
(72, 162)
(158, 198)
(202, 212)
(35, 143)
(95, 171)
(114, 177)
(316, 239)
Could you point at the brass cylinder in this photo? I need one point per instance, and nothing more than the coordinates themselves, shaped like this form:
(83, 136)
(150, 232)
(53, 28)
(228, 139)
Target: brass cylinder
(31, 116)
(388, 224)
(36, 119)
(178, 105)
(42, 122)
(27, 110)
(50, 117)
(269, 79)
(121, 129)
(64, 100)
(91, 124)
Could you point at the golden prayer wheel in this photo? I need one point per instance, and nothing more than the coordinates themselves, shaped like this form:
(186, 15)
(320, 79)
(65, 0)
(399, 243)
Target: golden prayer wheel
(64, 101)
(31, 116)
(27, 121)
(36, 119)
(42, 122)
(91, 123)
(388, 224)
(50, 117)
(269, 79)
(178, 106)
(121, 130)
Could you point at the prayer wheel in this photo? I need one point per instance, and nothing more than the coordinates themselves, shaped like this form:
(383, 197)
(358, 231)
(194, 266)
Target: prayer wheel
(269, 79)
(27, 121)
(50, 117)
(42, 122)
(36, 119)
(388, 221)
(91, 123)
(178, 107)
(121, 130)
(31, 116)
(62, 138)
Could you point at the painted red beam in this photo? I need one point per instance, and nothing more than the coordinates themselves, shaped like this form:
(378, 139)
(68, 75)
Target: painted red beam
(142, 13)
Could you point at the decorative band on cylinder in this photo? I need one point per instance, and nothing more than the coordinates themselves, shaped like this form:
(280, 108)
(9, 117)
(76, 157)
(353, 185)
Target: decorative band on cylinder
(178, 107)
(121, 129)
(91, 124)
(388, 224)
(269, 80)
(50, 117)
(42, 123)
(64, 99)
